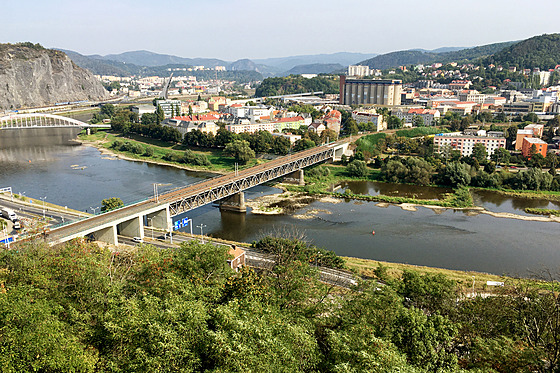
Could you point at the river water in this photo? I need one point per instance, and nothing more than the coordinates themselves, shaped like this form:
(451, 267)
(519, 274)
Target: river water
(80, 177)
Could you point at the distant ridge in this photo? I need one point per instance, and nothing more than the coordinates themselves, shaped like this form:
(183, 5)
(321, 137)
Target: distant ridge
(412, 57)
(539, 51)
(315, 68)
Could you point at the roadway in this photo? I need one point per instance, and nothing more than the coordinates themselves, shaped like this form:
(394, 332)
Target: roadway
(253, 258)
(34, 212)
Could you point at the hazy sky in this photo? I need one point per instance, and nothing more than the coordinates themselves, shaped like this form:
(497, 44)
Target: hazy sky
(234, 29)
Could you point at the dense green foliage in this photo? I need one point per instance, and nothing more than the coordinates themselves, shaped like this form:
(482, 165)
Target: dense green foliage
(540, 51)
(82, 308)
(112, 203)
(296, 84)
(413, 57)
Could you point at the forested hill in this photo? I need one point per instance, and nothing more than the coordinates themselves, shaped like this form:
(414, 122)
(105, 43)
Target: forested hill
(412, 57)
(540, 51)
(296, 84)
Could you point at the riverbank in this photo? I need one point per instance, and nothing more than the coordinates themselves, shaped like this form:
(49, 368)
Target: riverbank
(219, 164)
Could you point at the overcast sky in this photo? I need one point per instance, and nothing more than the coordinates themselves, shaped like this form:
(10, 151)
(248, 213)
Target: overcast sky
(234, 29)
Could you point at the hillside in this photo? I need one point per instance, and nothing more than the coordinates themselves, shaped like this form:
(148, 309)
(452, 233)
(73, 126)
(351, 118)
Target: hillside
(314, 68)
(412, 57)
(147, 58)
(287, 63)
(296, 84)
(540, 51)
(31, 75)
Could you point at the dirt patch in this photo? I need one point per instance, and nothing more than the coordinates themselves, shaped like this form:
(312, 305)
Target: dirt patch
(281, 203)
(311, 214)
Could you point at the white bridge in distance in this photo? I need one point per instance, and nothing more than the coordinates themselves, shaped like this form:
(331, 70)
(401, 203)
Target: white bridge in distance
(41, 120)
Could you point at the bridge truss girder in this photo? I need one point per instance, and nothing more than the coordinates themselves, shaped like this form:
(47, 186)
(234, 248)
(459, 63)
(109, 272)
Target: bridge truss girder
(239, 185)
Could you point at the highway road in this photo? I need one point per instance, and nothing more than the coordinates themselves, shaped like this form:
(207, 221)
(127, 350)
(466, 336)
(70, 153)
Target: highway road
(35, 212)
(253, 258)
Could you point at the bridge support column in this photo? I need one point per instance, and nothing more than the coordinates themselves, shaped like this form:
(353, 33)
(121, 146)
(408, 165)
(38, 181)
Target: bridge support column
(132, 228)
(235, 203)
(295, 177)
(160, 219)
(108, 235)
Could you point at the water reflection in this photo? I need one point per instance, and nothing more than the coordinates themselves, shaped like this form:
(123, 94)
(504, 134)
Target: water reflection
(395, 190)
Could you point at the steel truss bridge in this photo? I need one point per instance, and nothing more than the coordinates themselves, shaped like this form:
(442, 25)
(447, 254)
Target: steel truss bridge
(41, 120)
(216, 189)
(160, 209)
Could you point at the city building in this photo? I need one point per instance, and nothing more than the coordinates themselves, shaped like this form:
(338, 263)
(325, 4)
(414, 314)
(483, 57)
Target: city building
(369, 91)
(537, 129)
(293, 138)
(358, 70)
(521, 134)
(237, 258)
(143, 109)
(465, 143)
(427, 115)
(170, 107)
(366, 116)
(540, 146)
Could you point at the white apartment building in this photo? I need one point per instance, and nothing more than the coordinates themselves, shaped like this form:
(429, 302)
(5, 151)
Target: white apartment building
(465, 143)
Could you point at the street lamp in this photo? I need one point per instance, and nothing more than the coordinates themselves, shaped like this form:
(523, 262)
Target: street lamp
(94, 208)
(43, 199)
(156, 195)
(201, 234)
(151, 225)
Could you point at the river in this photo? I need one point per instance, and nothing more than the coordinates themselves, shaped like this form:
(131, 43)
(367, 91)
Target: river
(80, 177)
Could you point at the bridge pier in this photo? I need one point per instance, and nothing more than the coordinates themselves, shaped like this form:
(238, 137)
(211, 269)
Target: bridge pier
(295, 177)
(234, 203)
(159, 219)
(108, 235)
(132, 228)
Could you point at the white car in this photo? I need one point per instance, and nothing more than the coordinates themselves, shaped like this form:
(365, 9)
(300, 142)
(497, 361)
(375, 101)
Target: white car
(137, 239)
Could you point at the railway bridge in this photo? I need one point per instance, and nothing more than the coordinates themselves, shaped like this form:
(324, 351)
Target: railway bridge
(228, 189)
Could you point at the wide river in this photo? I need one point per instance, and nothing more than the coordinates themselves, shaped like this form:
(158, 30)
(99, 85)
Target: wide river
(80, 177)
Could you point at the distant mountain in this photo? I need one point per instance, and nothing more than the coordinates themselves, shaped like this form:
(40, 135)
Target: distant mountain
(98, 66)
(315, 68)
(243, 65)
(440, 50)
(146, 58)
(342, 58)
(412, 57)
(539, 51)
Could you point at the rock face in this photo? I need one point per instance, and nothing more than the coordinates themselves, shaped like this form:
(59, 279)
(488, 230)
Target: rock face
(31, 76)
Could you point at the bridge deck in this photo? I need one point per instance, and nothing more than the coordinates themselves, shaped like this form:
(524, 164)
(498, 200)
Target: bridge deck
(207, 191)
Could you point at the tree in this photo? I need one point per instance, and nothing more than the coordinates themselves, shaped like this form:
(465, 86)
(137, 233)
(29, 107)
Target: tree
(240, 150)
(108, 109)
(111, 204)
(501, 155)
(160, 115)
(418, 121)
(303, 144)
(479, 152)
(394, 123)
(456, 174)
(357, 168)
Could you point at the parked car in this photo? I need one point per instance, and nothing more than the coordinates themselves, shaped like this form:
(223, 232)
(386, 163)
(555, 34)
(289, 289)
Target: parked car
(137, 239)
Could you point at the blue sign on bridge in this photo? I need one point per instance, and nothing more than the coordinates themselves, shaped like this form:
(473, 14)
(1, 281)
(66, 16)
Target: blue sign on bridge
(181, 223)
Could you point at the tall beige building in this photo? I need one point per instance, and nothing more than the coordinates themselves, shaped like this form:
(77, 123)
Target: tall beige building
(369, 91)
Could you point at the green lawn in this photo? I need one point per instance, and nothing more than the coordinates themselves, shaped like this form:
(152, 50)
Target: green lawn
(220, 162)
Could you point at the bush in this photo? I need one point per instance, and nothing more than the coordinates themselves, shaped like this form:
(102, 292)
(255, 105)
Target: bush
(149, 152)
(190, 157)
(357, 168)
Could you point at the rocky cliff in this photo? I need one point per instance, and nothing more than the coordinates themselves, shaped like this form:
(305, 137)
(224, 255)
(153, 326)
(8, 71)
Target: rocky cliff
(31, 75)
